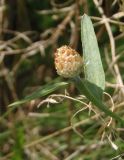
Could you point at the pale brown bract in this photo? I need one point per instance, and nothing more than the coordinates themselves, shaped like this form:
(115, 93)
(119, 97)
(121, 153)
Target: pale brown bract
(68, 62)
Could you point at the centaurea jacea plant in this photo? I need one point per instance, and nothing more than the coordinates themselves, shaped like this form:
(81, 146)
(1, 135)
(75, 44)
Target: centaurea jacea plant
(69, 64)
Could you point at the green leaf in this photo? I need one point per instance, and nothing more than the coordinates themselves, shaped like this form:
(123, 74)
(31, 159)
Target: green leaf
(85, 87)
(42, 91)
(94, 84)
(93, 68)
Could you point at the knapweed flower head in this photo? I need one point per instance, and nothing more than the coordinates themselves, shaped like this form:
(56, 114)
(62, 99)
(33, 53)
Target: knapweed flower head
(68, 62)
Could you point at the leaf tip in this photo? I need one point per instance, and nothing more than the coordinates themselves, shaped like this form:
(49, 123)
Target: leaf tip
(84, 16)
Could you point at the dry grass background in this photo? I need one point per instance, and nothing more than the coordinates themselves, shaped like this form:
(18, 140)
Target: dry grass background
(30, 31)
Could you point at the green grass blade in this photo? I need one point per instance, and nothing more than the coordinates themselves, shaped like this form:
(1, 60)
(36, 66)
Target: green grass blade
(93, 68)
(84, 87)
(42, 91)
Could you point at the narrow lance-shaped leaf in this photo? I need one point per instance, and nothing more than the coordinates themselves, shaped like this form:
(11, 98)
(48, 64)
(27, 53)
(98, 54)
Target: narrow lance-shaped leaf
(85, 87)
(93, 85)
(42, 91)
(93, 68)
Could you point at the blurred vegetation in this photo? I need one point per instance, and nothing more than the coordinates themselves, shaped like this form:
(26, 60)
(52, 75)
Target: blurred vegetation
(58, 126)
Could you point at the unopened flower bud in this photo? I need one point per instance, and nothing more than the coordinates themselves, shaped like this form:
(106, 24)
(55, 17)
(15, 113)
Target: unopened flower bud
(68, 62)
